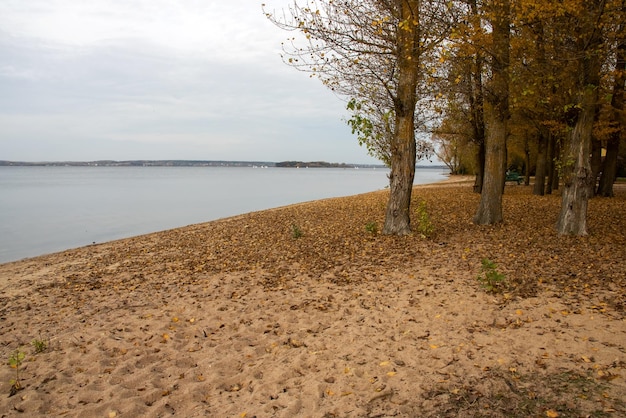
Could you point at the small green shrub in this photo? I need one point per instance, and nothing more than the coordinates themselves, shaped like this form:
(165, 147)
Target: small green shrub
(15, 360)
(372, 228)
(424, 225)
(39, 345)
(296, 232)
(491, 279)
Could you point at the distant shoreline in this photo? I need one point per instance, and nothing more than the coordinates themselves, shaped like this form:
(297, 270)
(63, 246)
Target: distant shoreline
(194, 163)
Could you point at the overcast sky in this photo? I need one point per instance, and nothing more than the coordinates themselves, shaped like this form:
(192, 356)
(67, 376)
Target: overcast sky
(159, 79)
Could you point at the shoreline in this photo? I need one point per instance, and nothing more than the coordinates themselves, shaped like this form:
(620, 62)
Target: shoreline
(237, 317)
(183, 226)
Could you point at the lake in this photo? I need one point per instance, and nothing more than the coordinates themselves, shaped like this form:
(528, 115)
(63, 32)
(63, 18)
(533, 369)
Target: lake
(50, 209)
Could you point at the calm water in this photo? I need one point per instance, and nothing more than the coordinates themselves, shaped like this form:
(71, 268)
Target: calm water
(50, 209)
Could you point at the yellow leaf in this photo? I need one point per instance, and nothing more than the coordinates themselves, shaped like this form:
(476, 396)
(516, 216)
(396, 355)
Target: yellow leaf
(384, 363)
(391, 374)
(433, 346)
(519, 312)
(552, 413)
(175, 319)
(586, 359)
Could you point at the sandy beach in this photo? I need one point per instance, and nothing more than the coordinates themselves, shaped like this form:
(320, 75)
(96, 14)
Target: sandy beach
(243, 317)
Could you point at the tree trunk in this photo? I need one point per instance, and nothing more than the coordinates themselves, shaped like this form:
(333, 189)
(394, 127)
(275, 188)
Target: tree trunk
(477, 107)
(577, 174)
(403, 148)
(540, 171)
(480, 167)
(556, 174)
(526, 162)
(595, 163)
(551, 169)
(609, 173)
(577, 171)
(490, 206)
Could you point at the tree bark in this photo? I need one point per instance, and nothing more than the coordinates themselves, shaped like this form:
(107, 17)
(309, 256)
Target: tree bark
(540, 172)
(477, 107)
(526, 162)
(490, 206)
(551, 169)
(577, 175)
(595, 163)
(480, 167)
(403, 147)
(577, 171)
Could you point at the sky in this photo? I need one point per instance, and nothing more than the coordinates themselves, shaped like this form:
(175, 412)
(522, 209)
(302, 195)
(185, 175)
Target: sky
(160, 79)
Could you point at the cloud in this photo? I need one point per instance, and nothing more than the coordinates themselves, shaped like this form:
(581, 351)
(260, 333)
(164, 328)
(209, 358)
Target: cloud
(154, 79)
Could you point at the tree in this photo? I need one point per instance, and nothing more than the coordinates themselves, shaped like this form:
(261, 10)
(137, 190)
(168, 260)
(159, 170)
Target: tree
(453, 145)
(370, 51)
(609, 172)
(497, 106)
(463, 119)
(586, 48)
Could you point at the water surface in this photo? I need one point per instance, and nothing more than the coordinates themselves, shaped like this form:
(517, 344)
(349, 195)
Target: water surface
(49, 209)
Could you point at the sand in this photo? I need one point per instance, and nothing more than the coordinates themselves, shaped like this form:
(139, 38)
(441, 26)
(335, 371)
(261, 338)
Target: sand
(239, 318)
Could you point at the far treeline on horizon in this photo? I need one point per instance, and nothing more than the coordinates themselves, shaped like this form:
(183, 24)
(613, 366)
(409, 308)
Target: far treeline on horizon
(535, 87)
(194, 163)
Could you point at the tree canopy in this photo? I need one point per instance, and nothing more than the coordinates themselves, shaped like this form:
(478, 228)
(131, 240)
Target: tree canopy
(525, 85)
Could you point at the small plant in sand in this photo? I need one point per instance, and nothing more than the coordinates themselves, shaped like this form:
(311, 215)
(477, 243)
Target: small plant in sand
(15, 360)
(39, 345)
(372, 228)
(296, 232)
(424, 225)
(491, 279)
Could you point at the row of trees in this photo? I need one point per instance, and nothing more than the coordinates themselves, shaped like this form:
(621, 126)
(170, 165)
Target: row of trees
(478, 76)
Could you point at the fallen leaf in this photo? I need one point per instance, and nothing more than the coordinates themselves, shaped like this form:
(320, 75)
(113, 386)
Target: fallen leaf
(551, 413)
